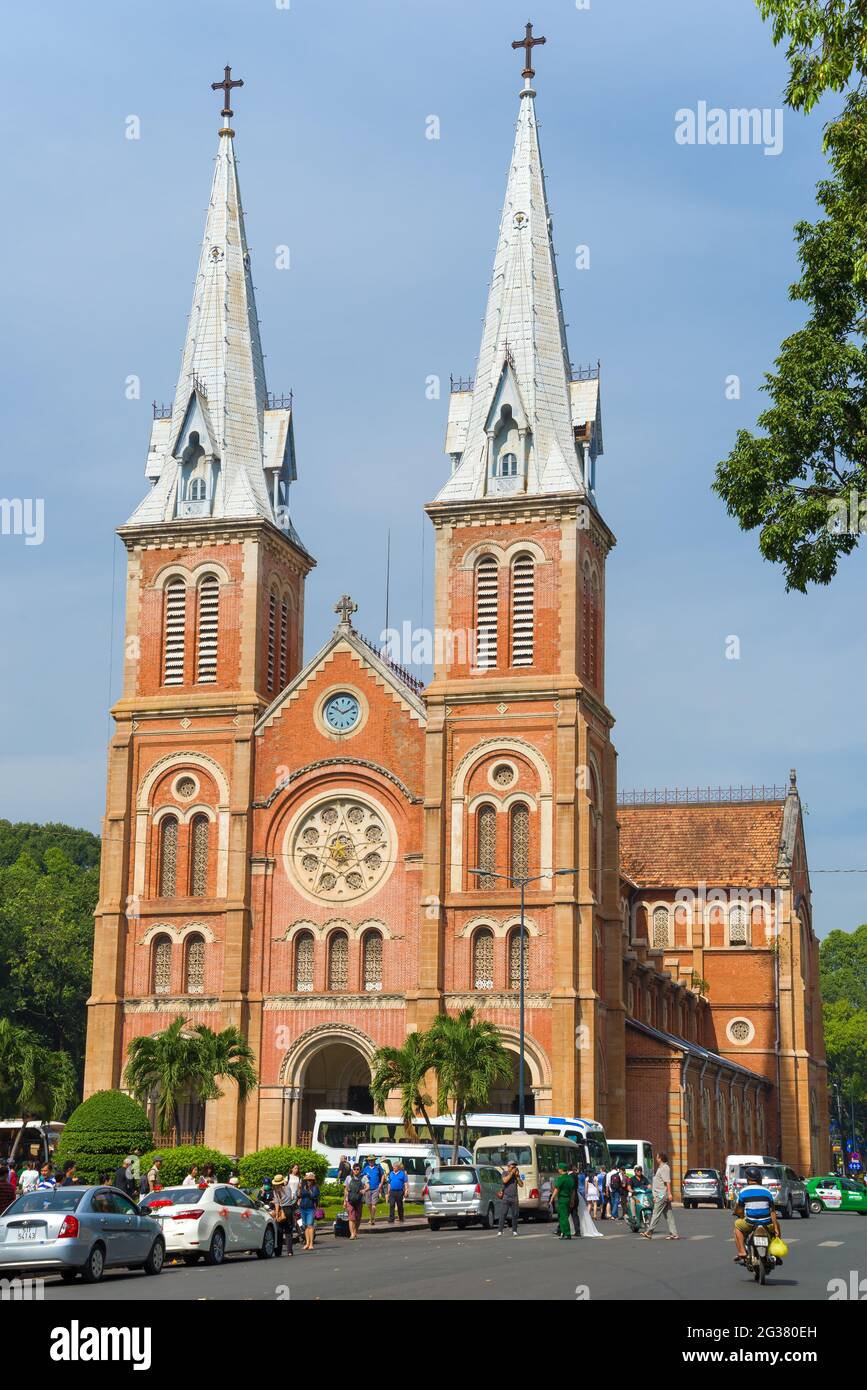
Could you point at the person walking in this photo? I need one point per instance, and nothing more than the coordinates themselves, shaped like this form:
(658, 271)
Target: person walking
(281, 1208)
(601, 1181)
(7, 1190)
(308, 1203)
(134, 1157)
(29, 1177)
(354, 1188)
(344, 1168)
(374, 1173)
(562, 1194)
(153, 1175)
(661, 1188)
(591, 1192)
(575, 1209)
(397, 1181)
(513, 1181)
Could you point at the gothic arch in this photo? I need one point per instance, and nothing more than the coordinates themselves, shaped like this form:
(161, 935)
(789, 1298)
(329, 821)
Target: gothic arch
(191, 576)
(536, 1058)
(459, 799)
(314, 1040)
(186, 758)
(177, 934)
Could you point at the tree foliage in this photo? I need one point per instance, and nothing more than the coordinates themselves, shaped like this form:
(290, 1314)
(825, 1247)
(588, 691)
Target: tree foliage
(843, 978)
(254, 1168)
(184, 1062)
(101, 1132)
(468, 1059)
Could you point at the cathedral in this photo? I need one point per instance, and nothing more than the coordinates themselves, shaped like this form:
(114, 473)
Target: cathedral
(325, 854)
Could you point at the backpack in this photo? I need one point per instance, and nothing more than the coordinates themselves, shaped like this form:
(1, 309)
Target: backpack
(354, 1190)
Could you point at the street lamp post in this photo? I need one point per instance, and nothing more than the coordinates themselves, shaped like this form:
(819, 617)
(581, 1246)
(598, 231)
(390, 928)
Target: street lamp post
(521, 880)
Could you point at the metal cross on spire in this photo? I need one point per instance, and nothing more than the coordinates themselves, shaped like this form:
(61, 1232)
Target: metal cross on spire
(528, 43)
(226, 86)
(345, 607)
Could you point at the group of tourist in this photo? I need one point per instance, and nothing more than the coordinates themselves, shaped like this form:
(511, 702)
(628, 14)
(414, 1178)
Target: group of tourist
(365, 1183)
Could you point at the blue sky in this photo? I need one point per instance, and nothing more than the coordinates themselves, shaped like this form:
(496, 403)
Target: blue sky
(392, 237)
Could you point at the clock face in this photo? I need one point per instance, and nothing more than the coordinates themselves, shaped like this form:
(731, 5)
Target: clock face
(342, 712)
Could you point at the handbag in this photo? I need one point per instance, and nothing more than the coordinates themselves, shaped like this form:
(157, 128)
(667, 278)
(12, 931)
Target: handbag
(279, 1214)
(319, 1214)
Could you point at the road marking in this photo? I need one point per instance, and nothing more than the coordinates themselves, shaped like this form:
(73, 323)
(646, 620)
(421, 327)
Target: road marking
(700, 1237)
(832, 1244)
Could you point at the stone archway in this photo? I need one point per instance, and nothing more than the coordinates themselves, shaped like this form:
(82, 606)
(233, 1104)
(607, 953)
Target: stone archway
(503, 1097)
(327, 1068)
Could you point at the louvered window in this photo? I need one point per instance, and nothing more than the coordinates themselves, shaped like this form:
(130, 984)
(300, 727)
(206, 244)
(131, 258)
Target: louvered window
(162, 966)
(304, 963)
(168, 857)
(486, 612)
(209, 603)
(486, 848)
(175, 632)
(195, 972)
(520, 841)
(201, 831)
(272, 638)
(523, 582)
(515, 959)
(338, 962)
(661, 928)
(483, 959)
(738, 926)
(372, 962)
(284, 641)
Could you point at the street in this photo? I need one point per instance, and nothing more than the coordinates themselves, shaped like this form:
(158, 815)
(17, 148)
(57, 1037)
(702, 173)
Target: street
(417, 1264)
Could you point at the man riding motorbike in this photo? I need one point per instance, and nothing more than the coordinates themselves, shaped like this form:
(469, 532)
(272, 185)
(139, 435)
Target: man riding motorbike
(637, 1183)
(755, 1207)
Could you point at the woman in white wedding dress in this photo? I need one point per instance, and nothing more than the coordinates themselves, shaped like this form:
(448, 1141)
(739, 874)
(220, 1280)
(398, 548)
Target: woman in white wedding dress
(586, 1224)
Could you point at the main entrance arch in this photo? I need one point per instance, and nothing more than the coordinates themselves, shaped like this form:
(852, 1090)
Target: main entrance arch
(503, 1097)
(326, 1068)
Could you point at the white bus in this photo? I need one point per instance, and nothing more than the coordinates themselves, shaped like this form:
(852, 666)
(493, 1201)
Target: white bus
(339, 1132)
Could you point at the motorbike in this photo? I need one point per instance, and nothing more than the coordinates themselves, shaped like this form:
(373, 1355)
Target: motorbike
(759, 1260)
(639, 1212)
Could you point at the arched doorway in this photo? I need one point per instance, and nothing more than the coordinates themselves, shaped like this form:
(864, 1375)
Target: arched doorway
(327, 1069)
(503, 1096)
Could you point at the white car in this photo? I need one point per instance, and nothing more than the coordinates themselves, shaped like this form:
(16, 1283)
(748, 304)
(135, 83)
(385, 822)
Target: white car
(211, 1222)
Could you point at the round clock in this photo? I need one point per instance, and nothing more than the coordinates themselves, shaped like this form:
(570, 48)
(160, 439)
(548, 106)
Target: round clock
(342, 712)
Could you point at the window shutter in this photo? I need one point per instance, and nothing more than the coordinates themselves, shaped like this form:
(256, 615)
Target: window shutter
(175, 632)
(486, 612)
(523, 584)
(209, 600)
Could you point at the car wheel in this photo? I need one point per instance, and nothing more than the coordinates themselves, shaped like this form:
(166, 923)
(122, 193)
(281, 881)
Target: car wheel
(269, 1245)
(489, 1221)
(816, 1206)
(805, 1209)
(156, 1259)
(434, 1225)
(94, 1267)
(68, 1275)
(217, 1251)
(790, 1210)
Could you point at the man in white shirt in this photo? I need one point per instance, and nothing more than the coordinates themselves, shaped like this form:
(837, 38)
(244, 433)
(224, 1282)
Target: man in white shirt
(28, 1179)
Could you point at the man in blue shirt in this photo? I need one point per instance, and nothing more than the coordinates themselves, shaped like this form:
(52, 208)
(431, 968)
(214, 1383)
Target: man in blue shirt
(397, 1181)
(374, 1173)
(755, 1207)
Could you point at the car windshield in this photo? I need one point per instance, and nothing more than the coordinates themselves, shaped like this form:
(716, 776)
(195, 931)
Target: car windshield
(768, 1174)
(709, 1174)
(45, 1199)
(454, 1177)
(173, 1197)
(506, 1153)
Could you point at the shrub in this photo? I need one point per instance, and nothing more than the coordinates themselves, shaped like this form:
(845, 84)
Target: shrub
(177, 1163)
(101, 1132)
(264, 1163)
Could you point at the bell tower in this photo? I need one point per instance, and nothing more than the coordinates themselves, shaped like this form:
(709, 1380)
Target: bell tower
(214, 631)
(521, 771)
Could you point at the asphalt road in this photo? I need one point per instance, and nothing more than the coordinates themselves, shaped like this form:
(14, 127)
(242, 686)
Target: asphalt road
(422, 1265)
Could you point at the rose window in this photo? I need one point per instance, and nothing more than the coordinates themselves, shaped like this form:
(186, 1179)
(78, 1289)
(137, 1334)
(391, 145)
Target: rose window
(341, 849)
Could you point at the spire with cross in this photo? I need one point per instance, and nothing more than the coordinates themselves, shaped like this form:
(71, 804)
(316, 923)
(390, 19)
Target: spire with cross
(528, 43)
(345, 608)
(225, 87)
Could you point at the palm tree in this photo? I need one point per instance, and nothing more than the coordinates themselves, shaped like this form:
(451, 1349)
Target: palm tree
(404, 1069)
(468, 1059)
(224, 1054)
(34, 1080)
(184, 1060)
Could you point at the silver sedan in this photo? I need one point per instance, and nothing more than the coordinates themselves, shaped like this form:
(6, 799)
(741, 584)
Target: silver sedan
(79, 1230)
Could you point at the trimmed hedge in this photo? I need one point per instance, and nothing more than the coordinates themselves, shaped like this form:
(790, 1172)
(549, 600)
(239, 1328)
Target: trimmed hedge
(178, 1162)
(264, 1163)
(101, 1132)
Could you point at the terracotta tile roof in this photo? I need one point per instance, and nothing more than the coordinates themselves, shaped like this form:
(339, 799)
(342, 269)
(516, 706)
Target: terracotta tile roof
(677, 846)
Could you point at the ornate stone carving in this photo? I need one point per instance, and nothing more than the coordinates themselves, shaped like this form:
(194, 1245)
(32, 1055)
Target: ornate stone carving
(332, 1003)
(341, 849)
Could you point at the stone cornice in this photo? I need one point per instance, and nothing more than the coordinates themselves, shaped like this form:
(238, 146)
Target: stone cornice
(494, 999)
(172, 1004)
(522, 507)
(338, 762)
(327, 1003)
(159, 535)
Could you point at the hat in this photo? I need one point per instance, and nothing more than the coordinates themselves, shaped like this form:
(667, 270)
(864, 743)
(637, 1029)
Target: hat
(308, 1176)
(278, 1180)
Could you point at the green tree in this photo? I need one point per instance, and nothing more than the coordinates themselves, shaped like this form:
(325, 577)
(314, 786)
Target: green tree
(468, 1058)
(404, 1069)
(802, 481)
(843, 979)
(185, 1061)
(224, 1056)
(101, 1132)
(35, 1083)
(843, 967)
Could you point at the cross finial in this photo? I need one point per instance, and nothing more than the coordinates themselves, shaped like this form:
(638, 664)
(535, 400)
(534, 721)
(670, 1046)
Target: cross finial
(528, 43)
(226, 86)
(345, 607)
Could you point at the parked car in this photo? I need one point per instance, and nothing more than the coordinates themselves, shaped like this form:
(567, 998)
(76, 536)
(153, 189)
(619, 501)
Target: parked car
(789, 1190)
(833, 1193)
(703, 1185)
(79, 1230)
(464, 1195)
(211, 1222)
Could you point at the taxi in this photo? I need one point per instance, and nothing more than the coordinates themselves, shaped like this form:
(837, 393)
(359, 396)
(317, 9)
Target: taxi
(833, 1193)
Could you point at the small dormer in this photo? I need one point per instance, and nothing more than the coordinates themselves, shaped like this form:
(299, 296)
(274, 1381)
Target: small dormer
(195, 450)
(509, 437)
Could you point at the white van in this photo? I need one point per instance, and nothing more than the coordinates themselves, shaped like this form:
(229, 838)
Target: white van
(733, 1163)
(419, 1161)
(538, 1157)
(629, 1153)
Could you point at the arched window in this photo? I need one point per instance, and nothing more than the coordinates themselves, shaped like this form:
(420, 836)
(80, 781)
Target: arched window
(661, 928)
(161, 966)
(304, 963)
(523, 583)
(272, 639)
(483, 959)
(174, 636)
(338, 962)
(194, 972)
(515, 959)
(486, 845)
(519, 840)
(197, 490)
(168, 865)
(206, 635)
(738, 925)
(508, 465)
(200, 832)
(371, 961)
(486, 612)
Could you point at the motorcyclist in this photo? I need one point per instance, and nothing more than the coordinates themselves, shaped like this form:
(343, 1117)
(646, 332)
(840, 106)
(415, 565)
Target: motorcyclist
(755, 1207)
(638, 1182)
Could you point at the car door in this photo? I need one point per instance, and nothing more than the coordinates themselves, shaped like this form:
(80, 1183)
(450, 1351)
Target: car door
(829, 1194)
(114, 1224)
(229, 1216)
(251, 1221)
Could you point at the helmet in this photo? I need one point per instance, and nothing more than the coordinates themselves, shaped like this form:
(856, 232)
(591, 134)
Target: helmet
(753, 1174)
(778, 1248)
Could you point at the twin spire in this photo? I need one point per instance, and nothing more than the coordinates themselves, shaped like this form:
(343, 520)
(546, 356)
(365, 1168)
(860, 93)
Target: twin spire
(527, 424)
